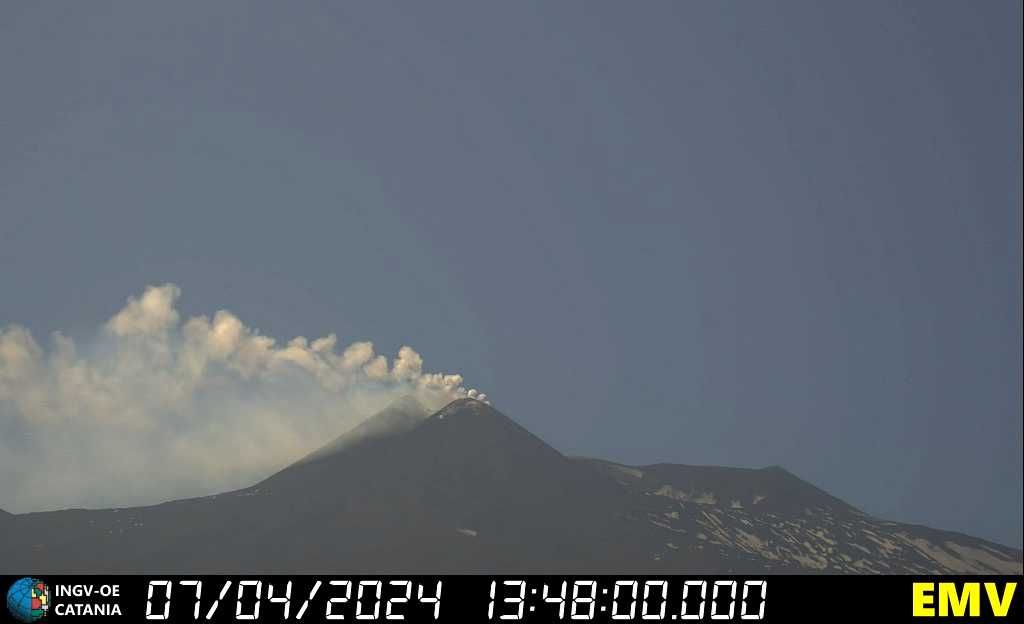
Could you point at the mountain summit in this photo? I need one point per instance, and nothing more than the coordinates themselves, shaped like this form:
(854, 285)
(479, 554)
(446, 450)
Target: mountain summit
(466, 489)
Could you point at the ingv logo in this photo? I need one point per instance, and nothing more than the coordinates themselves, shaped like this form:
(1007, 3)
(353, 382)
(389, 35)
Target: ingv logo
(28, 599)
(962, 599)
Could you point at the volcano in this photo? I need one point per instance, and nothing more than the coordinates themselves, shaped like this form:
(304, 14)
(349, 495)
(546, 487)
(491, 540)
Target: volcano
(467, 490)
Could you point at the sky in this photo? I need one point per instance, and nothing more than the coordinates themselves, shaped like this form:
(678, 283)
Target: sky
(725, 233)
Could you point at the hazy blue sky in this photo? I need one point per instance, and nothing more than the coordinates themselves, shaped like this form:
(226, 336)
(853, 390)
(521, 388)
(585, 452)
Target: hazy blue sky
(732, 233)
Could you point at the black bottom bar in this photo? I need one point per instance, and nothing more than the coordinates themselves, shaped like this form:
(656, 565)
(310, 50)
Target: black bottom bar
(529, 599)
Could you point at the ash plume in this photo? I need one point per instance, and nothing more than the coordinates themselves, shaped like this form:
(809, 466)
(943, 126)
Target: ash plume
(157, 407)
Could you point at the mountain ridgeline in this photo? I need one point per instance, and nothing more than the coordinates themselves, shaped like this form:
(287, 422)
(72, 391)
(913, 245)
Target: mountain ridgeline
(466, 489)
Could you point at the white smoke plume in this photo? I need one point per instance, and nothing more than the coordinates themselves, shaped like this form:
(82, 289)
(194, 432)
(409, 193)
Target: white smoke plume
(156, 408)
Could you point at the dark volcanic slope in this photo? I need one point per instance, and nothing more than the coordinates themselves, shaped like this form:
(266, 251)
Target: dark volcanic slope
(466, 489)
(785, 523)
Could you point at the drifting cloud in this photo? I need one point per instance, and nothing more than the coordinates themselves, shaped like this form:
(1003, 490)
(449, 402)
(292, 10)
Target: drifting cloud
(157, 408)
